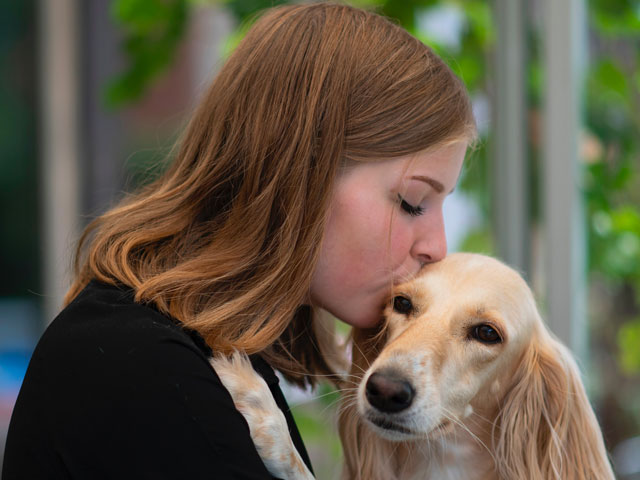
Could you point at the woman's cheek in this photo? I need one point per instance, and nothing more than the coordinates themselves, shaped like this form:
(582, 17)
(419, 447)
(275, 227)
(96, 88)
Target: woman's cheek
(401, 242)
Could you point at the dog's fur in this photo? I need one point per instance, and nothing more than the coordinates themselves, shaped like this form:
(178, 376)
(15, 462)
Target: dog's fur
(268, 427)
(508, 409)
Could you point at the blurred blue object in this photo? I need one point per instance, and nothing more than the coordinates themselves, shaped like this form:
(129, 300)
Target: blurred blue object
(20, 323)
(13, 366)
(20, 328)
(626, 457)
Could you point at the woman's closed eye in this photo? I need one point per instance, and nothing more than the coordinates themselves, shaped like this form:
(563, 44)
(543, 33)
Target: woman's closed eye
(412, 210)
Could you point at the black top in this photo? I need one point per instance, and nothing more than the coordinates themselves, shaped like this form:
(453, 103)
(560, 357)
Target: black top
(117, 390)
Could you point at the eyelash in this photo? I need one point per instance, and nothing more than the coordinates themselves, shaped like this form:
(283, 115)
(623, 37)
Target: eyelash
(410, 209)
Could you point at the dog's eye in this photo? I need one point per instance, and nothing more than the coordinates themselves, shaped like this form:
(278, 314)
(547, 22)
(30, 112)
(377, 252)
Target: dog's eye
(402, 305)
(485, 334)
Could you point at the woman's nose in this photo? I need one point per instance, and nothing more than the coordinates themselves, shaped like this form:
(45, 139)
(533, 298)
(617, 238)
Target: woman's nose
(430, 243)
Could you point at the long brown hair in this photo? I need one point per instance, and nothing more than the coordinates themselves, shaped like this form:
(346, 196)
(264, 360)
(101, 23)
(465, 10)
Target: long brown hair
(226, 240)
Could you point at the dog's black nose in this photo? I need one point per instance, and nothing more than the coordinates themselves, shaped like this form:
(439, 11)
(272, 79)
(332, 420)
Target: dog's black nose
(389, 392)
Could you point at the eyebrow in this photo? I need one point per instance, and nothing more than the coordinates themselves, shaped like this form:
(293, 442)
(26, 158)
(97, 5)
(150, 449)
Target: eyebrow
(436, 185)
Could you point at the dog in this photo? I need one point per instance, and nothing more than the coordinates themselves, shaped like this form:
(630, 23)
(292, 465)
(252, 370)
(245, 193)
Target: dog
(462, 381)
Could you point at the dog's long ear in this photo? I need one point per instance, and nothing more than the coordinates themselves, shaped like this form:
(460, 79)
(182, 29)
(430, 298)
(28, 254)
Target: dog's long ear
(366, 456)
(547, 429)
(366, 346)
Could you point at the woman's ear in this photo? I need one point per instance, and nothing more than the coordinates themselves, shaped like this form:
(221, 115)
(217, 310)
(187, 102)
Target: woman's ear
(546, 427)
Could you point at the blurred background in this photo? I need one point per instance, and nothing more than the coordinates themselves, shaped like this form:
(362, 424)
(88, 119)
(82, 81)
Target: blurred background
(93, 94)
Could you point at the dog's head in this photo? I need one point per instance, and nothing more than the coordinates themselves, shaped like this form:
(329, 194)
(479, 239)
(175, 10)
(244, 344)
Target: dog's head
(454, 336)
(464, 350)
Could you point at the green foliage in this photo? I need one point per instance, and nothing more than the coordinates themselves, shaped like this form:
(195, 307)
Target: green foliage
(612, 181)
(245, 9)
(316, 422)
(629, 340)
(616, 18)
(152, 31)
(479, 241)
(235, 38)
(615, 244)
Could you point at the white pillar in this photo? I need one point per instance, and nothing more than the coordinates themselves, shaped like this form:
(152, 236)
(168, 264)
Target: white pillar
(510, 171)
(565, 252)
(59, 144)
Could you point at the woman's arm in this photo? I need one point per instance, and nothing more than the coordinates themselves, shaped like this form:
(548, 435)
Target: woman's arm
(119, 391)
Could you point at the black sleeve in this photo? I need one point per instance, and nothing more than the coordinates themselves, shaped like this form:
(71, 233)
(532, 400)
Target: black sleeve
(135, 402)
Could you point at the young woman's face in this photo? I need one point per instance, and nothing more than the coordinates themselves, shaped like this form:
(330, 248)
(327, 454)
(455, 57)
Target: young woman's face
(385, 221)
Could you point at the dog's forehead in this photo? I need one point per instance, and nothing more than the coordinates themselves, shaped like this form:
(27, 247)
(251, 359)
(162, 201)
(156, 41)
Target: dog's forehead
(468, 281)
(472, 272)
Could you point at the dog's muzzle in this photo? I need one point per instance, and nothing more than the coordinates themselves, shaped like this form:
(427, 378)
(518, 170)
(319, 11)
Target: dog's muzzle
(388, 391)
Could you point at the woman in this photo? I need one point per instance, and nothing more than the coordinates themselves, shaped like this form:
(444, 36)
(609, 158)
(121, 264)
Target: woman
(311, 176)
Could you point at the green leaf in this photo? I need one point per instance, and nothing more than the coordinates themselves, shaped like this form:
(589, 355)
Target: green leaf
(244, 9)
(629, 345)
(234, 39)
(153, 30)
(140, 16)
(627, 219)
(480, 21)
(479, 241)
(610, 77)
(616, 18)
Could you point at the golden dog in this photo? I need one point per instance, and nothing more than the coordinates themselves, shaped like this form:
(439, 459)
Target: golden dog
(463, 381)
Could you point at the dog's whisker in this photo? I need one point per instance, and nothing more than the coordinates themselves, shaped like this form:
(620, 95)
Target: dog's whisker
(351, 397)
(480, 420)
(318, 397)
(348, 404)
(354, 344)
(393, 467)
(451, 417)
